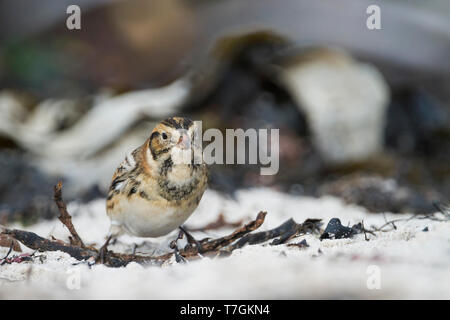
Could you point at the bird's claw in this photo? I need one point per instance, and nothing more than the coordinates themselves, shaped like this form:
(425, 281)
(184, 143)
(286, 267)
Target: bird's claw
(191, 240)
(178, 257)
(103, 252)
(173, 245)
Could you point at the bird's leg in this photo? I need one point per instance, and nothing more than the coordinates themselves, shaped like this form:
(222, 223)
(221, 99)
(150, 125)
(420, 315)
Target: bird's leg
(190, 239)
(103, 250)
(173, 245)
(115, 231)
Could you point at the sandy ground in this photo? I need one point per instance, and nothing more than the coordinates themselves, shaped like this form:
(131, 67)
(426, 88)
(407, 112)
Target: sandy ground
(404, 263)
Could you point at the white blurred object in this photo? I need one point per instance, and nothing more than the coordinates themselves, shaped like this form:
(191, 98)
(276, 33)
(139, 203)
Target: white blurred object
(112, 117)
(105, 122)
(49, 114)
(87, 152)
(344, 101)
(12, 113)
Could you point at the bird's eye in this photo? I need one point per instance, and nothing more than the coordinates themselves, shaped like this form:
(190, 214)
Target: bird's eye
(164, 135)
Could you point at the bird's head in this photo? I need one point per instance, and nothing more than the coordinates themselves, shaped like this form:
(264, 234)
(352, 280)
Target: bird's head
(173, 138)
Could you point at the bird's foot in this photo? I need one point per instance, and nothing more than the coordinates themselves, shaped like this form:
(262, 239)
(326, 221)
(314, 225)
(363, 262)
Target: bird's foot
(135, 246)
(178, 257)
(103, 252)
(174, 246)
(191, 240)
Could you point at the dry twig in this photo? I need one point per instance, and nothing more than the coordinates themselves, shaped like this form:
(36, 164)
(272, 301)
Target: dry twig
(65, 217)
(80, 251)
(285, 232)
(113, 259)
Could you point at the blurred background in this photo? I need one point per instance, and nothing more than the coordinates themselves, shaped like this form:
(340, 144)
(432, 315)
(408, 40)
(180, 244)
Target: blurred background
(363, 114)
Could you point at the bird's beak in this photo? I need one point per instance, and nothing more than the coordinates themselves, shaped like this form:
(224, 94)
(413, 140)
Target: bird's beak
(184, 142)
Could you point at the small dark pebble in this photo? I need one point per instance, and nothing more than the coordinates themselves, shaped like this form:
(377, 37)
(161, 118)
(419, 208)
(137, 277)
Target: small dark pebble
(335, 230)
(425, 229)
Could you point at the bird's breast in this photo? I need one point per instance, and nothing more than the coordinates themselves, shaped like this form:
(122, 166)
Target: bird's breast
(158, 206)
(182, 183)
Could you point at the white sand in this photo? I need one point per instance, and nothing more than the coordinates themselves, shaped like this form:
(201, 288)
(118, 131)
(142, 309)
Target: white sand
(410, 263)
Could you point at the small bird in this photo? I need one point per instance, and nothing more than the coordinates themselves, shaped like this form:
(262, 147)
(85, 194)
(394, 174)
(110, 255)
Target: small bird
(158, 185)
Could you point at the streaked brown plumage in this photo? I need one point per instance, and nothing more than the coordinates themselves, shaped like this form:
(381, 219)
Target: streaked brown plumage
(151, 194)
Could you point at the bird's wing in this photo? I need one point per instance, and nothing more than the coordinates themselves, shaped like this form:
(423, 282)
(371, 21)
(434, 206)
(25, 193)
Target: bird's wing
(125, 173)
